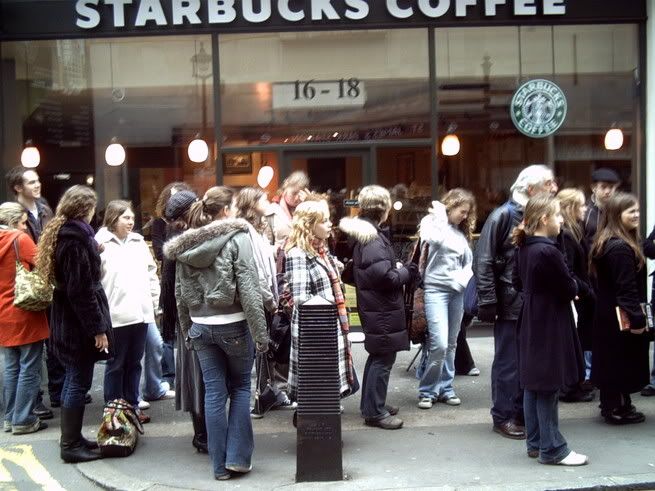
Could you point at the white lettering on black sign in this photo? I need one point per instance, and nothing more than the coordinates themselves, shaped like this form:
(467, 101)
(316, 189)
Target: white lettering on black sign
(153, 12)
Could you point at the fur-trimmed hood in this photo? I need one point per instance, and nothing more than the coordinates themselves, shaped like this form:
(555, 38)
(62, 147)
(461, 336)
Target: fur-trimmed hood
(363, 231)
(199, 247)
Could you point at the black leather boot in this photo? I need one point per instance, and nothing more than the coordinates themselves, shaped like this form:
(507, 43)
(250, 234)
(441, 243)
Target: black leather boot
(73, 445)
(199, 432)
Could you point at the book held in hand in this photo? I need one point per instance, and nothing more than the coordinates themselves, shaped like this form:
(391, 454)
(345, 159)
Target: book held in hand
(624, 321)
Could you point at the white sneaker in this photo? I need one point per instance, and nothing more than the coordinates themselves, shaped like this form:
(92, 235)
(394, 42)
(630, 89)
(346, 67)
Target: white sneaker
(473, 372)
(169, 394)
(574, 459)
(144, 405)
(425, 403)
(452, 400)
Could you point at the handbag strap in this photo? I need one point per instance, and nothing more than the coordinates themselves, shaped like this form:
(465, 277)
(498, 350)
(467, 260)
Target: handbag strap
(417, 252)
(16, 248)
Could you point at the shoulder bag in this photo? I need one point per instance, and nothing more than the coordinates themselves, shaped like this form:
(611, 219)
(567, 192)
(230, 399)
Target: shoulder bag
(417, 323)
(32, 292)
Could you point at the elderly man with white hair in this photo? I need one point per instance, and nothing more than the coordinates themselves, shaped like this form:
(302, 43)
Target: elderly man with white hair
(499, 303)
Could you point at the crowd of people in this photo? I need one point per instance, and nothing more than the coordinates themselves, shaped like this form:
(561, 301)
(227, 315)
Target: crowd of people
(562, 280)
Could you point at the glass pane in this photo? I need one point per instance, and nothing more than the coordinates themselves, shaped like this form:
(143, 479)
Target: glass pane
(340, 177)
(72, 97)
(407, 173)
(479, 70)
(324, 86)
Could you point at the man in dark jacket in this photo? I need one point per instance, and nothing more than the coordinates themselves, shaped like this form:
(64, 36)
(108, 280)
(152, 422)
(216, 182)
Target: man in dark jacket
(380, 302)
(649, 252)
(499, 303)
(26, 186)
(605, 182)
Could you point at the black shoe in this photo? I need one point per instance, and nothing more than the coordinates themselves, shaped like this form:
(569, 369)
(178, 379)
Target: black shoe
(200, 443)
(72, 444)
(648, 391)
(577, 396)
(42, 411)
(88, 399)
(509, 429)
(199, 432)
(619, 417)
(55, 403)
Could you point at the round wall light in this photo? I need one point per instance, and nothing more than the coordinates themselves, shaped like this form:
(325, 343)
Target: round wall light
(450, 145)
(115, 153)
(265, 176)
(198, 150)
(30, 156)
(613, 139)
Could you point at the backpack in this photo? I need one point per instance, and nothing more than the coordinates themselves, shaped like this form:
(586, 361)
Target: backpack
(119, 430)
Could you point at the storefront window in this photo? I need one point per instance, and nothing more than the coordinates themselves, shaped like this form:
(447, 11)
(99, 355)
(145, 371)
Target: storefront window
(319, 87)
(479, 70)
(72, 97)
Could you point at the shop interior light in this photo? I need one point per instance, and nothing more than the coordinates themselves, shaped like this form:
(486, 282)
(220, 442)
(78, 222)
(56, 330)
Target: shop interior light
(450, 145)
(30, 157)
(614, 139)
(265, 176)
(198, 150)
(115, 153)
(398, 205)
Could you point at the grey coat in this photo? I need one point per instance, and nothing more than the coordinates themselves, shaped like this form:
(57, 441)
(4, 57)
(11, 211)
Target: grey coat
(215, 273)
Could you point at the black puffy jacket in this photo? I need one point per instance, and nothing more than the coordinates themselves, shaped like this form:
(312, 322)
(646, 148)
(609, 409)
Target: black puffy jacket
(493, 261)
(379, 285)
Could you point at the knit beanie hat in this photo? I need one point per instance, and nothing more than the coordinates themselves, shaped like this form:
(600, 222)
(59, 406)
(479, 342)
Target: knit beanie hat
(179, 203)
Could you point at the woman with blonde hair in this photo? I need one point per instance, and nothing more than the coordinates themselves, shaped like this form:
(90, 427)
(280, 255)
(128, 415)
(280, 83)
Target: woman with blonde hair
(549, 351)
(312, 271)
(573, 244)
(620, 365)
(21, 332)
(293, 192)
(446, 269)
(80, 323)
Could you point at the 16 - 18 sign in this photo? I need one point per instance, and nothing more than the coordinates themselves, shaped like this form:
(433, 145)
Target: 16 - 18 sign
(317, 94)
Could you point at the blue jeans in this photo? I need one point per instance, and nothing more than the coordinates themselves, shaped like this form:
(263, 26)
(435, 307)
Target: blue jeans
(77, 382)
(152, 372)
(542, 426)
(226, 355)
(123, 371)
(22, 382)
(443, 310)
(506, 394)
(375, 384)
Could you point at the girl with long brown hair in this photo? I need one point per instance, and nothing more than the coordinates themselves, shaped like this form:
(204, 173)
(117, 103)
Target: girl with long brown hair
(572, 240)
(446, 233)
(549, 352)
(80, 323)
(620, 365)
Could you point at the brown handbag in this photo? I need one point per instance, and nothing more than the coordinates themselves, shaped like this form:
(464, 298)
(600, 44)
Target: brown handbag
(417, 323)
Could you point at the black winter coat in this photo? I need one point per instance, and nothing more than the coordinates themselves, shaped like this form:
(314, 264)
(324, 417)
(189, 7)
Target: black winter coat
(577, 257)
(379, 286)
(620, 358)
(79, 305)
(550, 356)
(493, 261)
(591, 223)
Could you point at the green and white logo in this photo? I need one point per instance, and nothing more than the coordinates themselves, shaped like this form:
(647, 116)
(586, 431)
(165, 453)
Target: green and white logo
(538, 108)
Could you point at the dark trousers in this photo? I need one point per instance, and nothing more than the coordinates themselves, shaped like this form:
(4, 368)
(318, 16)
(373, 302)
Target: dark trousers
(463, 358)
(123, 371)
(542, 426)
(613, 399)
(506, 395)
(375, 384)
(77, 382)
(56, 374)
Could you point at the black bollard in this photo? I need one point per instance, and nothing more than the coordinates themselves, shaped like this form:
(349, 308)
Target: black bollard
(319, 443)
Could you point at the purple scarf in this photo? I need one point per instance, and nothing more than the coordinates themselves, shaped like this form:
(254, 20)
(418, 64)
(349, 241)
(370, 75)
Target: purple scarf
(88, 230)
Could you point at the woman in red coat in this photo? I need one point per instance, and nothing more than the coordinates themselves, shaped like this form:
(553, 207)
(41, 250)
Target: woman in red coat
(21, 332)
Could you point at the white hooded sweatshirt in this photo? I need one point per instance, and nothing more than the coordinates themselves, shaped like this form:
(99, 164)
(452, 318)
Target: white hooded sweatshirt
(129, 278)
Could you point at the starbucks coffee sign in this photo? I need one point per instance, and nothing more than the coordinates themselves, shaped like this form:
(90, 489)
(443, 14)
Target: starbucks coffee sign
(538, 108)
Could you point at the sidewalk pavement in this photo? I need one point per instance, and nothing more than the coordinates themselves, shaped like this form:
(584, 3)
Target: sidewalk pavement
(441, 448)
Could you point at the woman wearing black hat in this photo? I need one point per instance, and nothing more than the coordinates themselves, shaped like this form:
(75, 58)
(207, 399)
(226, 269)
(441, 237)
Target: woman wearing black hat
(189, 386)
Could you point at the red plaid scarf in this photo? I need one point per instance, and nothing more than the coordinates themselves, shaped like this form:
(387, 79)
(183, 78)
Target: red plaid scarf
(340, 300)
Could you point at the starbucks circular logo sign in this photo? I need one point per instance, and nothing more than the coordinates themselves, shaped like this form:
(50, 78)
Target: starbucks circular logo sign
(538, 108)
